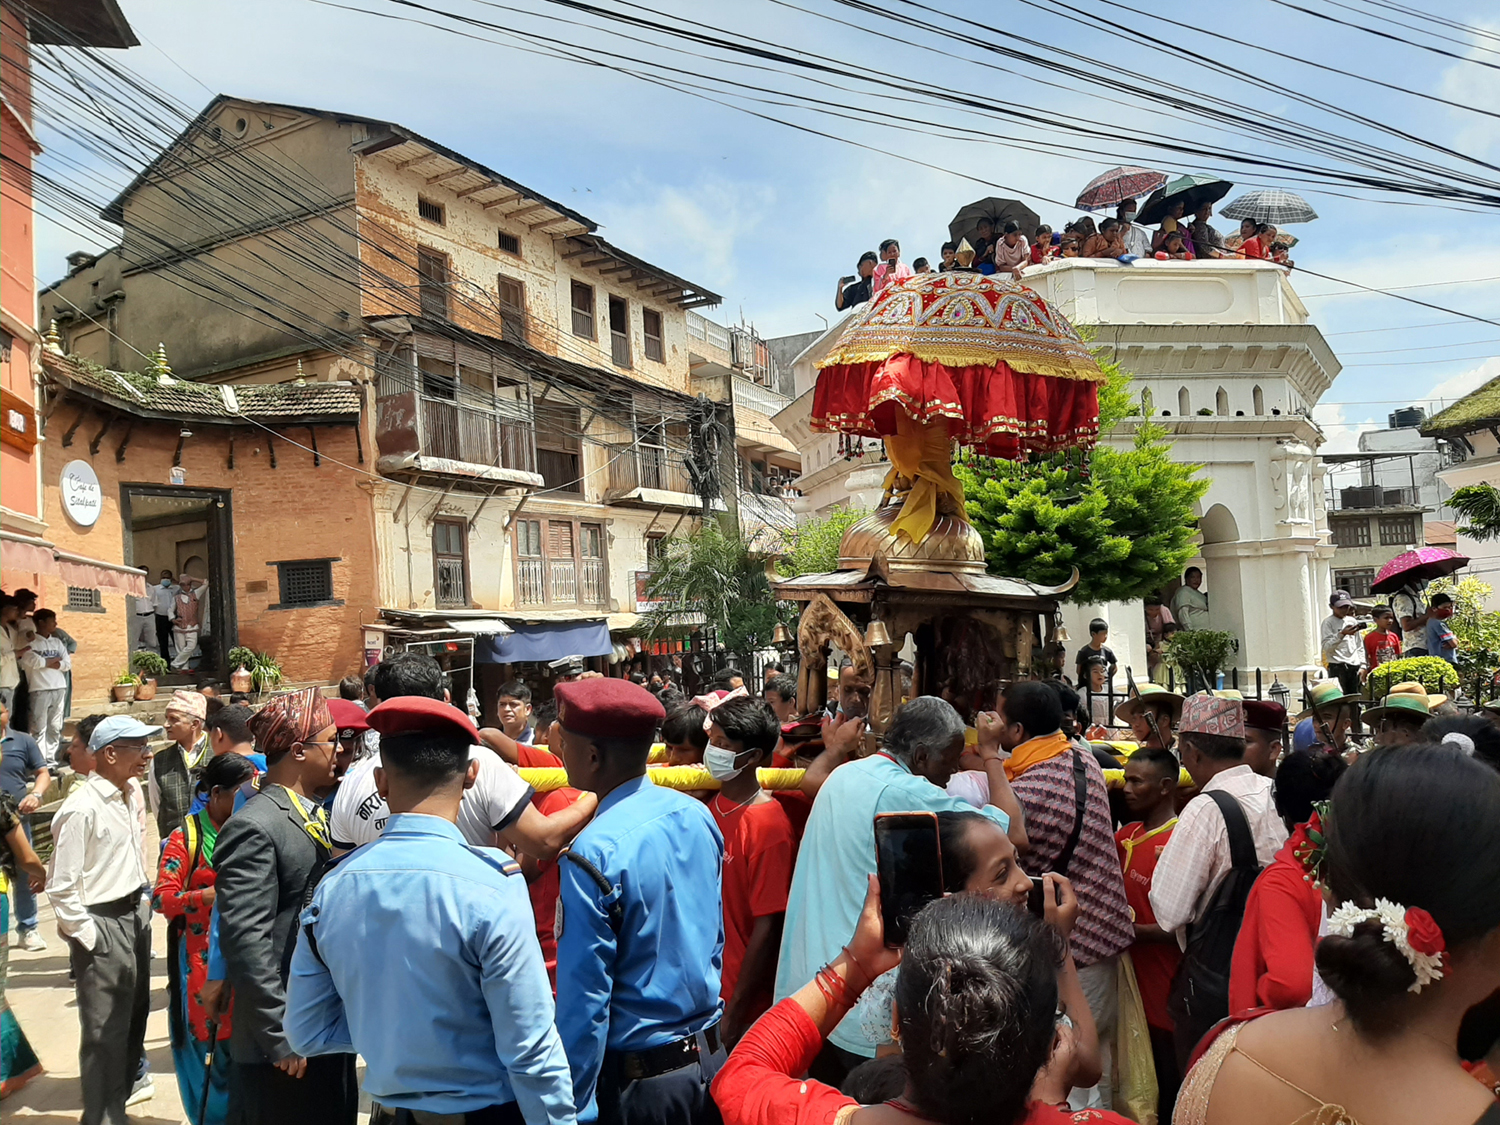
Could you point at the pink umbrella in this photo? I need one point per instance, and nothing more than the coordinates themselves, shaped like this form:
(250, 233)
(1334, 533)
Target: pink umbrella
(1118, 185)
(1421, 565)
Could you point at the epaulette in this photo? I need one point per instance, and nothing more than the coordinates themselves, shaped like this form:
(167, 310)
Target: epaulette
(497, 859)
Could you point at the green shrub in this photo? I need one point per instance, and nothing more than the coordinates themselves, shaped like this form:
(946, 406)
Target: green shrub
(149, 664)
(1432, 672)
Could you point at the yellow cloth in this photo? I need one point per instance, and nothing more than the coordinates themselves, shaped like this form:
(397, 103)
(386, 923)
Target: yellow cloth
(1035, 751)
(1115, 779)
(924, 454)
(546, 779)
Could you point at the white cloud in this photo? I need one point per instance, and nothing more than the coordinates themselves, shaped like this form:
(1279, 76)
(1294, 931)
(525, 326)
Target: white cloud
(1343, 435)
(1471, 85)
(1450, 390)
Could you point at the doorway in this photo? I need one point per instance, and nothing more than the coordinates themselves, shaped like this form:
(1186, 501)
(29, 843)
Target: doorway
(187, 531)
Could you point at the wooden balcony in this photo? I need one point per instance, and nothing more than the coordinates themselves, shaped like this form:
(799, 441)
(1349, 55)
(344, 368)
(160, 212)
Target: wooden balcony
(420, 434)
(648, 476)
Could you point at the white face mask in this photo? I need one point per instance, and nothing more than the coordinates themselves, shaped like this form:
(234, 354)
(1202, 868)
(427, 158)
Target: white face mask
(720, 763)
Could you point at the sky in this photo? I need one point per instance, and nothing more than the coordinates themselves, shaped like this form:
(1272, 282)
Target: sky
(770, 216)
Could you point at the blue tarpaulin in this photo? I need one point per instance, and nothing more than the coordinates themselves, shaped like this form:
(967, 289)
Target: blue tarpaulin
(545, 640)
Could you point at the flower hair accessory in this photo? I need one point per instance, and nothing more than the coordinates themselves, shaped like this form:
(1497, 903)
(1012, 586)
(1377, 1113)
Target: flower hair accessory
(1412, 931)
(1309, 844)
(1461, 740)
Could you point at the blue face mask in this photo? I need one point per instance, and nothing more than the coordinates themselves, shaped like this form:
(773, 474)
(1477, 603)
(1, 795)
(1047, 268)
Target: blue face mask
(166, 582)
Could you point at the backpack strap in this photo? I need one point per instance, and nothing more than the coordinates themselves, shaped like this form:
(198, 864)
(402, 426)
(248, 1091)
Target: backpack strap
(192, 835)
(1241, 842)
(1080, 801)
(614, 912)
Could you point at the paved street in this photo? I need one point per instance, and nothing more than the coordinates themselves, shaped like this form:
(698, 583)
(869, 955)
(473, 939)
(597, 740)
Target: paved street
(42, 998)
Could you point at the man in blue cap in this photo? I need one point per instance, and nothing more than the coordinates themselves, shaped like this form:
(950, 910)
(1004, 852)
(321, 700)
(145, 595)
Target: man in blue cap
(98, 882)
(458, 916)
(640, 922)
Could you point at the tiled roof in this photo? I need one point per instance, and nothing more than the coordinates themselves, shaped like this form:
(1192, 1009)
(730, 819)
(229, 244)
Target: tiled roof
(152, 395)
(1474, 411)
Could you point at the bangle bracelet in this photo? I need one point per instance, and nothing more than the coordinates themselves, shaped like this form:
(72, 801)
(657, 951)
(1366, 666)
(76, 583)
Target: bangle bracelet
(853, 960)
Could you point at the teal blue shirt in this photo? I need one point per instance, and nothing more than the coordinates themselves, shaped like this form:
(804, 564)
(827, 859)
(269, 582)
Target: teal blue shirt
(834, 863)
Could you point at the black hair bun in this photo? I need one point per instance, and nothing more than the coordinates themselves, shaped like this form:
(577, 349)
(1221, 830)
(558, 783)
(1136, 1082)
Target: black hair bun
(1368, 974)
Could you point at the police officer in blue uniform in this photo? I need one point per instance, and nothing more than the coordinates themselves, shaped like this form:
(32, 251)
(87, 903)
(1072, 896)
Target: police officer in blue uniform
(419, 951)
(640, 918)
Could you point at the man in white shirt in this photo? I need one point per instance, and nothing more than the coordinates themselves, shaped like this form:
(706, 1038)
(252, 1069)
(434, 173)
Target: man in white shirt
(98, 882)
(161, 596)
(498, 803)
(47, 663)
(1343, 649)
(1137, 240)
(1197, 859)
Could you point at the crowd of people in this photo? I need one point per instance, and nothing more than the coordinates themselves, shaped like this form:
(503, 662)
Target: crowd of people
(1009, 250)
(374, 876)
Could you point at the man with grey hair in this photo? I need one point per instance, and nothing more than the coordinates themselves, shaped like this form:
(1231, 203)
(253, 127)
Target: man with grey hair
(837, 854)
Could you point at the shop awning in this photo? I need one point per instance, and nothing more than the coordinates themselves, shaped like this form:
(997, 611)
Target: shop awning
(29, 554)
(545, 640)
(480, 626)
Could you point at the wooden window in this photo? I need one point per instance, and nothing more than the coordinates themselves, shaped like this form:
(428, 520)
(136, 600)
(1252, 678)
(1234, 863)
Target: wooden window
(450, 564)
(583, 310)
(531, 586)
(304, 582)
(559, 448)
(432, 212)
(513, 309)
(651, 322)
(655, 550)
(1350, 533)
(510, 244)
(1357, 582)
(560, 562)
(1397, 531)
(619, 331)
(432, 283)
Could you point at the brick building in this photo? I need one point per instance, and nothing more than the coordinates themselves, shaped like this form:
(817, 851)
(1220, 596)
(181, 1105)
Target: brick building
(255, 489)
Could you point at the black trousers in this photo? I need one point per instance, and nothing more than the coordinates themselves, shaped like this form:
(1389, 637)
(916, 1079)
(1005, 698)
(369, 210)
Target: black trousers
(507, 1114)
(262, 1094)
(1168, 1077)
(678, 1097)
(1348, 678)
(113, 985)
(164, 635)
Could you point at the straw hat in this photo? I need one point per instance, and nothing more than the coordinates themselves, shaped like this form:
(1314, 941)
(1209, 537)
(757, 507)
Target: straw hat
(1326, 693)
(1148, 693)
(1411, 705)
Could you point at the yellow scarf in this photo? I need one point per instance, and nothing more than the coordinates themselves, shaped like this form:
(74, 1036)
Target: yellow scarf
(1035, 751)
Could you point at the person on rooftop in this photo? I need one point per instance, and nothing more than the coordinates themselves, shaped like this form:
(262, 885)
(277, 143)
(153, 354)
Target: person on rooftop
(949, 251)
(984, 245)
(1042, 249)
(1258, 244)
(1107, 243)
(1012, 252)
(1207, 242)
(1170, 221)
(891, 267)
(855, 289)
(921, 265)
(1137, 240)
(1175, 246)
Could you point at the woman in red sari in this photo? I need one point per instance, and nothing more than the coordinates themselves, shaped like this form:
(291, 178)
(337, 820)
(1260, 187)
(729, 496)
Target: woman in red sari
(184, 895)
(976, 1003)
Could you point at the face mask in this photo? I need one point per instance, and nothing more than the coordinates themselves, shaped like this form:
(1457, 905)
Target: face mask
(165, 582)
(720, 763)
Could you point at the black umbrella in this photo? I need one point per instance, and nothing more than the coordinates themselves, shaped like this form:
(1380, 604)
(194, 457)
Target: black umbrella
(965, 224)
(1193, 191)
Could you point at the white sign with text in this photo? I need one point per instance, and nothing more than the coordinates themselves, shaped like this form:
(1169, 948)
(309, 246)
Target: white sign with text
(82, 498)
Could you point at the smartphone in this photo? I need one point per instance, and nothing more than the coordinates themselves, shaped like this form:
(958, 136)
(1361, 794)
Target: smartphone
(847, 280)
(909, 862)
(1036, 901)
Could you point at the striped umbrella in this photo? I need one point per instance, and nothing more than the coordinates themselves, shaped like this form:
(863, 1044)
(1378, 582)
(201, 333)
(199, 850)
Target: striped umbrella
(1270, 205)
(1118, 185)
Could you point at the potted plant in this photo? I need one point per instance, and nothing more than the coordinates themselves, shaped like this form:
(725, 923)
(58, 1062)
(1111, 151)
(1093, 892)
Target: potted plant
(126, 685)
(241, 661)
(149, 666)
(267, 672)
(1200, 655)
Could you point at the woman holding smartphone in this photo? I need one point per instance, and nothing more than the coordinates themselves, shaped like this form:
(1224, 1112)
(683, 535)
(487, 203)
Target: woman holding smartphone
(976, 1004)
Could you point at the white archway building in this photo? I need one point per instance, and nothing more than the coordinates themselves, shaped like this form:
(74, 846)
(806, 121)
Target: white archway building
(1231, 342)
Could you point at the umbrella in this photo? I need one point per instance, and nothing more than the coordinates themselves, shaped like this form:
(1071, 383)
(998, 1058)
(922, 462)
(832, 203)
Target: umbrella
(1270, 205)
(965, 224)
(1118, 185)
(1192, 190)
(1421, 565)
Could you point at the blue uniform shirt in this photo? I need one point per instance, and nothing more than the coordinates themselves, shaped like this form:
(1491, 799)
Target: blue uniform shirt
(431, 970)
(659, 980)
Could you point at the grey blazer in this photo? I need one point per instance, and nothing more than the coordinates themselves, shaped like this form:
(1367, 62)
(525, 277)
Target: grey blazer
(265, 864)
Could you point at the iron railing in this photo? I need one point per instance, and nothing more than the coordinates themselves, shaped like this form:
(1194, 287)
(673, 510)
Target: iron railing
(459, 432)
(646, 466)
(451, 592)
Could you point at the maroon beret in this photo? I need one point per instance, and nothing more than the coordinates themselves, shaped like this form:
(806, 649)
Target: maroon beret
(348, 715)
(416, 714)
(1264, 714)
(608, 707)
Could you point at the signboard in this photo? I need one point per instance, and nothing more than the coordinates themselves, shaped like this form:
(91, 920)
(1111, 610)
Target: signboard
(643, 601)
(82, 498)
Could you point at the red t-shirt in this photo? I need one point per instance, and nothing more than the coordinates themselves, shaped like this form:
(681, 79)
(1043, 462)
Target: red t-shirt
(798, 805)
(1155, 961)
(548, 885)
(1381, 647)
(759, 850)
(1273, 955)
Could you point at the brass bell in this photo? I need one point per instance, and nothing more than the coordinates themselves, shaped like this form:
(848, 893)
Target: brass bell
(781, 635)
(877, 634)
